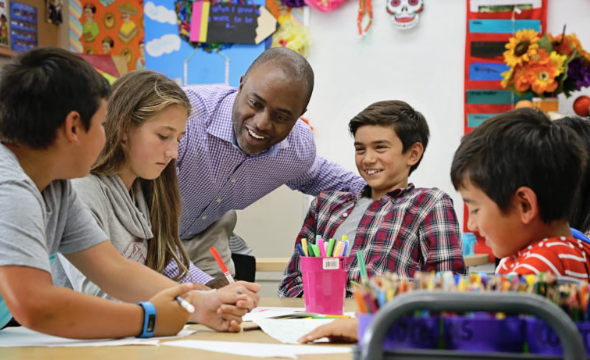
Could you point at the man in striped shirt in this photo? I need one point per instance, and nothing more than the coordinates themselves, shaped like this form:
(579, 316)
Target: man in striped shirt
(518, 173)
(399, 228)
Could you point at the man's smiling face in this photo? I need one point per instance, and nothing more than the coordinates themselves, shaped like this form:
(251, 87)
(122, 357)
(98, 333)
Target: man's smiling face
(267, 106)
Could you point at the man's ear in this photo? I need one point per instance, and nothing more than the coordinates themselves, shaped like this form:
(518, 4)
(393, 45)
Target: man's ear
(416, 151)
(72, 127)
(242, 79)
(525, 202)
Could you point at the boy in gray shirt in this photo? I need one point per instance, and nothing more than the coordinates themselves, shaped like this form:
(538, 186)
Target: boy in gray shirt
(52, 107)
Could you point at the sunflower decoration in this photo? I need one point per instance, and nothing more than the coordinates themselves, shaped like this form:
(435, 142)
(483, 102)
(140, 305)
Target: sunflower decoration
(521, 47)
(541, 65)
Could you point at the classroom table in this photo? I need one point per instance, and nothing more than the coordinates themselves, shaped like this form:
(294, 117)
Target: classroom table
(280, 263)
(147, 352)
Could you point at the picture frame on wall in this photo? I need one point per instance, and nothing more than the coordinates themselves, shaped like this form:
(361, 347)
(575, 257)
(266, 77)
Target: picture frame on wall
(4, 24)
(23, 26)
(54, 15)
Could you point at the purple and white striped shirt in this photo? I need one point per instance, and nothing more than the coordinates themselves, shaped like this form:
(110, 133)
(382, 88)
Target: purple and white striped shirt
(215, 176)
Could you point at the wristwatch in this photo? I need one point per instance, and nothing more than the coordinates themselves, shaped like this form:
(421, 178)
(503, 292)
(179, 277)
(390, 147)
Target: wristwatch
(149, 319)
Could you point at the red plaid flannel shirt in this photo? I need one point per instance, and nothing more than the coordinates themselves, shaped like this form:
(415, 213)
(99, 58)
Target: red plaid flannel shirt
(408, 230)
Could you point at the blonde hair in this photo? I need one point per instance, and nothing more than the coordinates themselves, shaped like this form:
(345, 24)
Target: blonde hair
(137, 97)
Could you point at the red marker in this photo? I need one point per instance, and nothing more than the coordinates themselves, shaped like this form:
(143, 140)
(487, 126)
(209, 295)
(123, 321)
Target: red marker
(222, 265)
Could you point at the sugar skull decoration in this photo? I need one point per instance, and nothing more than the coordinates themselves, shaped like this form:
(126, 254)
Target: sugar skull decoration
(406, 13)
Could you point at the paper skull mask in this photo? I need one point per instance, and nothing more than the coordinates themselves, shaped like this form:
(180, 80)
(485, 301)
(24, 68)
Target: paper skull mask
(406, 13)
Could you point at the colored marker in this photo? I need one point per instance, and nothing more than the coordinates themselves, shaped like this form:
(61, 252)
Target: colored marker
(337, 249)
(304, 246)
(185, 304)
(322, 248)
(345, 251)
(316, 250)
(362, 267)
(300, 249)
(330, 250)
(224, 269)
(310, 251)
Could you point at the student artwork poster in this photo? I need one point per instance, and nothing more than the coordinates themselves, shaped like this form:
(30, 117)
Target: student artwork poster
(167, 49)
(110, 28)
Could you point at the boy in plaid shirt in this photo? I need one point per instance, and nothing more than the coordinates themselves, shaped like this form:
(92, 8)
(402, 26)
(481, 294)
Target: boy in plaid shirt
(398, 227)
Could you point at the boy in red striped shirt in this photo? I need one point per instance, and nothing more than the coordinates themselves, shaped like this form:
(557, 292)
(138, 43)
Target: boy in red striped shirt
(518, 173)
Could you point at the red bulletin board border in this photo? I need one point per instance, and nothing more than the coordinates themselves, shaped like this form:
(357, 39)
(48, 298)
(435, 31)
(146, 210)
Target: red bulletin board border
(532, 14)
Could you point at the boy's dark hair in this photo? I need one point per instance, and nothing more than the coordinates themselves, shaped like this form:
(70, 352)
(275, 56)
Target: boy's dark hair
(40, 88)
(580, 215)
(522, 148)
(409, 124)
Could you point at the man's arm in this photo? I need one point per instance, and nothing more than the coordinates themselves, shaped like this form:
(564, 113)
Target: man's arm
(324, 175)
(441, 233)
(194, 274)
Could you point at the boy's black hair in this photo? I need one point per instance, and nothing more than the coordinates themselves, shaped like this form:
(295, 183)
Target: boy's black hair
(409, 124)
(40, 88)
(522, 148)
(580, 216)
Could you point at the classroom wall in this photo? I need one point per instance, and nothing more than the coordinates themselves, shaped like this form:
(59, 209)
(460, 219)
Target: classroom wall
(423, 66)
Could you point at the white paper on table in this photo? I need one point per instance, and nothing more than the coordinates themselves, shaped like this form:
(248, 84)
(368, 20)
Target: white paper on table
(289, 330)
(23, 337)
(265, 312)
(259, 350)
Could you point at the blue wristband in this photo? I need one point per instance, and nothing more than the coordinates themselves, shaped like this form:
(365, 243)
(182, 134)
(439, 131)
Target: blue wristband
(149, 319)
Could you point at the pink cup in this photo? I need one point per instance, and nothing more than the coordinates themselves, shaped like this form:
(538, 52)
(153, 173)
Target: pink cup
(324, 284)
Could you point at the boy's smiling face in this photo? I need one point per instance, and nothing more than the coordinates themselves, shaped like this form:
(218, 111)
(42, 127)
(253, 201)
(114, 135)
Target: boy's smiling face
(503, 231)
(380, 159)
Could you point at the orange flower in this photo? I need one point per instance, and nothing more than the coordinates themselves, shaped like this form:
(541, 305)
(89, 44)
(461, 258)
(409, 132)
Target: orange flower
(568, 45)
(562, 47)
(521, 83)
(542, 77)
(521, 47)
(576, 45)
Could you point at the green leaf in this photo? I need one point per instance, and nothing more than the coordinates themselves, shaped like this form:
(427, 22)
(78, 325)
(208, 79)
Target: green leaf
(545, 43)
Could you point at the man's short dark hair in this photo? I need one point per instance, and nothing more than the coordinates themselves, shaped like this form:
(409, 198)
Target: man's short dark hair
(40, 88)
(409, 125)
(291, 62)
(522, 148)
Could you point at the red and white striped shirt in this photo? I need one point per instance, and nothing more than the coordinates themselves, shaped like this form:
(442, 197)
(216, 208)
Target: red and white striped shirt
(568, 258)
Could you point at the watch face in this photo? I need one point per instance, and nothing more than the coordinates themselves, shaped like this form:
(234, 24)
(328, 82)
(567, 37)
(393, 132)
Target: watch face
(151, 323)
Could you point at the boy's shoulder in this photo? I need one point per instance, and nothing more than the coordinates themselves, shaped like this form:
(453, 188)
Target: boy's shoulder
(10, 169)
(565, 257)
(425, 197)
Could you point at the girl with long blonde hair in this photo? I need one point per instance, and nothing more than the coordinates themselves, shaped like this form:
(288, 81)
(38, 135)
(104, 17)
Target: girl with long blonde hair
(132, 190)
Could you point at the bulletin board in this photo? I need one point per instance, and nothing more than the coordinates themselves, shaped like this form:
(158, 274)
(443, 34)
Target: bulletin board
(170, 51)
(107, 27)
(23, 26)
(490, 23)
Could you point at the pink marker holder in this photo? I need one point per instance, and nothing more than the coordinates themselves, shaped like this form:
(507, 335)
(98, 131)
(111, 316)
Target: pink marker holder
(324, 284)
